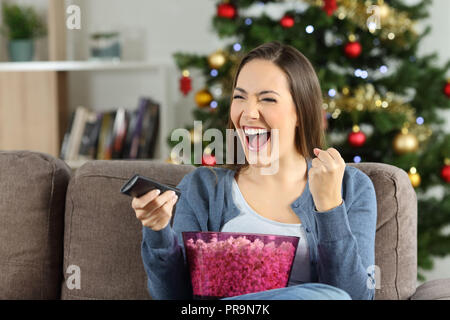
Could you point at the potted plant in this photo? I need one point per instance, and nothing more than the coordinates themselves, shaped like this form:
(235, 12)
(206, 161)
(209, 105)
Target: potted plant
(21, 26)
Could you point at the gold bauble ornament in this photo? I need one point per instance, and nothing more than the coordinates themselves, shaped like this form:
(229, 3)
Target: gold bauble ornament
(405, 142)
(203, 98)
(414, 177)
(217, 60)
(384, 11)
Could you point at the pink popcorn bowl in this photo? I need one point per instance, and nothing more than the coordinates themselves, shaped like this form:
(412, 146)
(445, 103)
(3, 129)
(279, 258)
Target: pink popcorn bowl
(227, 264)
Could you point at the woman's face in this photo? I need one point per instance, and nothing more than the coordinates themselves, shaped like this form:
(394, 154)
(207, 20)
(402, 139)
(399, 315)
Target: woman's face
(262, 102)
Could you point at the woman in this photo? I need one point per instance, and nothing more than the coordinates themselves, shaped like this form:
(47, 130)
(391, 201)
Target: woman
(311, 194)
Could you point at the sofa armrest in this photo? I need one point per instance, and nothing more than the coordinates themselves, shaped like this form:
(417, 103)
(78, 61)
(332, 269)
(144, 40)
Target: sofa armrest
(433, 290)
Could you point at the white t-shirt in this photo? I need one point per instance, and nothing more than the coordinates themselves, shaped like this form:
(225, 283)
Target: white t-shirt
(248, 221)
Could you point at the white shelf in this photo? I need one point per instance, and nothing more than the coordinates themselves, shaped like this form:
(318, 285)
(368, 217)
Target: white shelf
(77, 65)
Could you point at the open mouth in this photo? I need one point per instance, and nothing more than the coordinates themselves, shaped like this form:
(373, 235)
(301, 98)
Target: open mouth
(256, 139)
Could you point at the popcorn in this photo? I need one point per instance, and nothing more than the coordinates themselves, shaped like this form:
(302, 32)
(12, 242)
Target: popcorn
(237, 266)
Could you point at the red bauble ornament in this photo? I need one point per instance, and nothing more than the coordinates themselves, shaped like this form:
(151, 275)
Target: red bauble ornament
(329, 6)
(445, 173)
(447, 89)
(185, 85)
(287, 21)
(226, 10)
(353, 49)
(356, 139)
(208, 160)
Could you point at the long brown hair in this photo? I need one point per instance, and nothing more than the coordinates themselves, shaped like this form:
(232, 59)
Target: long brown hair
(305, 91)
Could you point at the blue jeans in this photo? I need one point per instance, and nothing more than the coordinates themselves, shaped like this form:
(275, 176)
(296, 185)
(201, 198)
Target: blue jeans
(305, 291)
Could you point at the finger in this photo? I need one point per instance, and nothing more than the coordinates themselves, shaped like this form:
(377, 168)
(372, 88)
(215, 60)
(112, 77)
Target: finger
(159, 219)
(142, 214)
(334, 153)
(150, 221)
(142, 201)
(157, 224)
(316, 163)
(146, 211)
(163, 198)
(325, 157)
(154, 220)
(159, 202)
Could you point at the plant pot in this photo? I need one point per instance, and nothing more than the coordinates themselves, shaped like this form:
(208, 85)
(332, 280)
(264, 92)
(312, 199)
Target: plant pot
(21, 50)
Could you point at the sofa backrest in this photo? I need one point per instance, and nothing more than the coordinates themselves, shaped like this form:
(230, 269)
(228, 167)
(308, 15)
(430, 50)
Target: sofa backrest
(32, 195)
(396, 235)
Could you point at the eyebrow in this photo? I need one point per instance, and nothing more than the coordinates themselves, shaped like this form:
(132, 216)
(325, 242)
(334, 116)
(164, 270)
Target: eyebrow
(262, 92)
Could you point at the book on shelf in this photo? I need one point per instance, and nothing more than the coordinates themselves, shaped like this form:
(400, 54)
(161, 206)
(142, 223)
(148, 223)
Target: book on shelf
(149, 131)
(88, 147)
(132, 124)
(66, 137)
(114, 134)
(137, 131)
(76, 133)
(119, 132)
(104, 150)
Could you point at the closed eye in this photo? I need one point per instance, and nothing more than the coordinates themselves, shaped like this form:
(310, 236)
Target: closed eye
(266, 99)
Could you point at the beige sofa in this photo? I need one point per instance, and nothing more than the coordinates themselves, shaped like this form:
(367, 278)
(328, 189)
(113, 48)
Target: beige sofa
(55, 224)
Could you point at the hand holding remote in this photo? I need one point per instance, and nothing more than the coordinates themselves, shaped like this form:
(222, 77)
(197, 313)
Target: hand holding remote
(153, 209)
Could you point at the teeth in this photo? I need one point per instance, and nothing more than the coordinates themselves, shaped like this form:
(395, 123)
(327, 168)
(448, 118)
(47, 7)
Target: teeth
(250, 131)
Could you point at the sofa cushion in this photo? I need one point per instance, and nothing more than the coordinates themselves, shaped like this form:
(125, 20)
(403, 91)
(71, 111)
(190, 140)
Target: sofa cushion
(438, 289)
(102, 234)
(396, 235)
(32, 198)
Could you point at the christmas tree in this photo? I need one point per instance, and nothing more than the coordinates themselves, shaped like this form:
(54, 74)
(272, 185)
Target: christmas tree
(380, 98)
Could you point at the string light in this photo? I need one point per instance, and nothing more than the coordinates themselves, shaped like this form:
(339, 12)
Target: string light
(237, 47)
(214, 73)
(356, 159)
(419, 121)
(372, 27)
(331, 92)
(309, 29)
(361, 73)
(217, 91)
(383, 69)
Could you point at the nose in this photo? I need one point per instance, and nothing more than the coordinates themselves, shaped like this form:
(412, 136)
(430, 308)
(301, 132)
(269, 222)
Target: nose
(251, 110)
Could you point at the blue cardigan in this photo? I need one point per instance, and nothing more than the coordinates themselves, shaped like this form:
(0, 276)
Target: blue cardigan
(341, 241)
